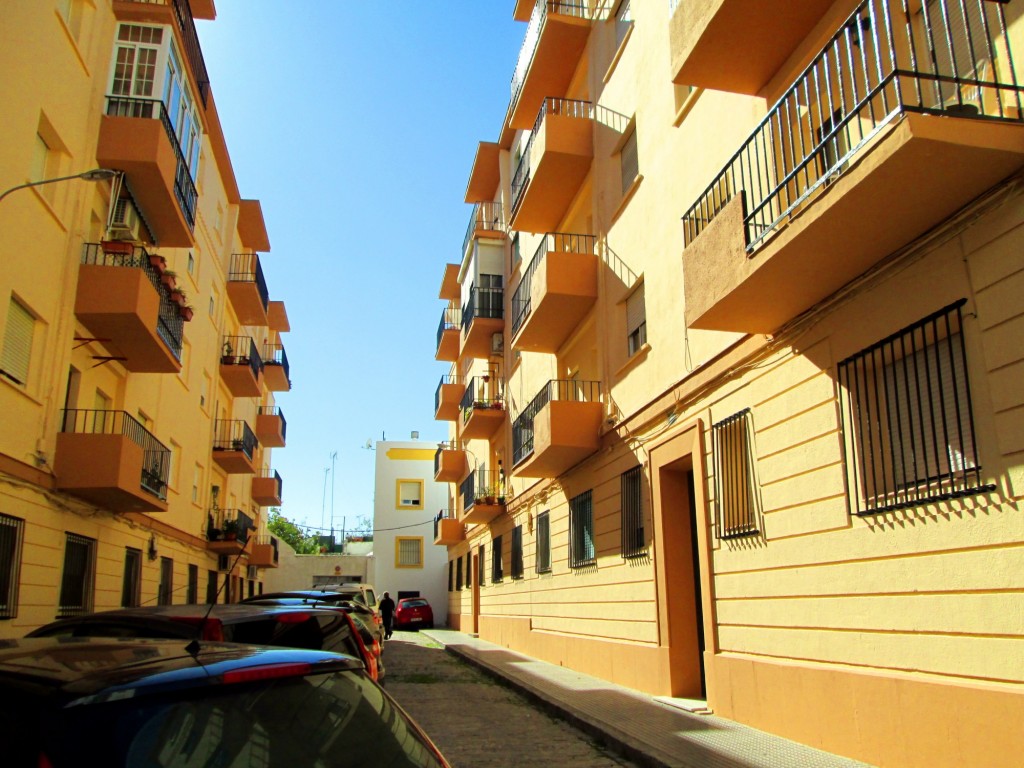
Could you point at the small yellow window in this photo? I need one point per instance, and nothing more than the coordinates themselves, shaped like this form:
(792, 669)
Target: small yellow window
(409, 552)
(409, 494)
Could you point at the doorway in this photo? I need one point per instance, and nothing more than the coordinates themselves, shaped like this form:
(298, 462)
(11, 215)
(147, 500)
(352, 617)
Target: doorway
(474, 576)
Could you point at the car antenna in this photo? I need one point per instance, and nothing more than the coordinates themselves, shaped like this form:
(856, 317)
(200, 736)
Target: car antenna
(195, 646)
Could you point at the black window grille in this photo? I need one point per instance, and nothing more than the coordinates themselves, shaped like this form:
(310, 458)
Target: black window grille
(544, 542)
(907, 418)
(517, 552)
(78, 577)
(458, 574)
(581, 530)
(481, 572)
(469, 570)
(164, 596)
(496, 574)
(193, 585)
(131, 585)
(12, 533)
(633, 543)
(211, 587)
(451, 575)
(736, 493)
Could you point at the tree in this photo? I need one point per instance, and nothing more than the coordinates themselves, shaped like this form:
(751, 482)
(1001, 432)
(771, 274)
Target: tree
(291, 534)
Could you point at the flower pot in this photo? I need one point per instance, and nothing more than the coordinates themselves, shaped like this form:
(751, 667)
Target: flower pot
(117, 246)
(186, 313)
(158, 262)
(178, 298)
(171, 281)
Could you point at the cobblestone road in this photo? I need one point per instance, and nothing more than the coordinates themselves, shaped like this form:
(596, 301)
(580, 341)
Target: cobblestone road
(476, 722)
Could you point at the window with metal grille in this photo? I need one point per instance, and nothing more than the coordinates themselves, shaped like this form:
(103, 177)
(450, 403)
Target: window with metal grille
(629, 163)
(165, 595)
(631, 493)
(544, 542)
(12, 531)
(469, 570)
(517, 552)
(211, 587)
(481, 567)
(736, 493)
(496, 573)
(78, 576)
(451, 575)
(458, 573)
(636, 321)
(907, 418)
(17, 349)
(409, 552)
(131, 584)
(581, 530)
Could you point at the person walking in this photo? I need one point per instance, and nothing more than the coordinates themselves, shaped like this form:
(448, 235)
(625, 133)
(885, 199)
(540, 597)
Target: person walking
(387, 613)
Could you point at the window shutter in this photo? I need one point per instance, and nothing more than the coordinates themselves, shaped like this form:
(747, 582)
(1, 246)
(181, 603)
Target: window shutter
(636, 310)
(17, 349)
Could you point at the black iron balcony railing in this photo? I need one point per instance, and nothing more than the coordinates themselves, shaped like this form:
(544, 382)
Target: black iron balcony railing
(170, 326)
(274, 410)
(156, 458)
(184, 186)
(271, 541)
(245, 268)
(229, 525)
(477, 396)
(483, 302)
(241, 350)
(551, 106)
(444, 514)
(234, 435)
(890, 58)
(556, 389)
(484, 486)
(450, 320)
(449, 379)
(450, 445)
(578, 8)
(484, 216)
(553, 241)
(273, 354)
(275, 475)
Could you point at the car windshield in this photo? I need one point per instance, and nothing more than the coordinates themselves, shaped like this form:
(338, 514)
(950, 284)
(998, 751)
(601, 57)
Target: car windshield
(413, 603)
(337, 720)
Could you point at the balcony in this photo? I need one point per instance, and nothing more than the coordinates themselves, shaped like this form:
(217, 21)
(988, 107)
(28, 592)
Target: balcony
(110, 460)
(448, 335)
(485, 220)
(485, 176)
(447, 398)
(448, 529)
(247, 289)
(277, 317)
(241, 367)
(275, 368)
(554, 164)
(270, 426)
(123, 303)
(559, 428)
(483, 496)
(233, 446)
(264, 552)
(482, 408)
(556, 292)
(705, 35)
(266, 488)
(449, 283)
(482, 318)
(136, 136)
(450, 463)
(228, 531)
(862, 155)
(552, 47)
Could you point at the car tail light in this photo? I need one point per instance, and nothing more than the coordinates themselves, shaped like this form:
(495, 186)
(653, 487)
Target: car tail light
(213, 629)
(292, 618)
(267, 672)
(376, 648)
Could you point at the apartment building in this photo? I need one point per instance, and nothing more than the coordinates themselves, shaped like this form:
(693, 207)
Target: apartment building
(734, 392)
(140, 352)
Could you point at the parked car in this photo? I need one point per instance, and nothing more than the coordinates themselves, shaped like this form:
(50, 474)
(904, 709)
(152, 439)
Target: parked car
(323, 598)
(413, 612)
(357, 592)
(289, 626)
(73, 701)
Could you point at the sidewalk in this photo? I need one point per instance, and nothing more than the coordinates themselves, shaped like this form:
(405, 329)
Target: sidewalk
(646, 730)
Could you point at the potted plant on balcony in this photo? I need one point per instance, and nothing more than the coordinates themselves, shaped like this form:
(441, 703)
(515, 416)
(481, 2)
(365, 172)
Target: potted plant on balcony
(169, 278)
(186, 311)
(159, 263)
(117, 246)
(231, 529)
(178, 297)
(228, 357)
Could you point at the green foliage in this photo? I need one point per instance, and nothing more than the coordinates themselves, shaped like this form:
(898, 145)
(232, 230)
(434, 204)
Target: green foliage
(291, 534)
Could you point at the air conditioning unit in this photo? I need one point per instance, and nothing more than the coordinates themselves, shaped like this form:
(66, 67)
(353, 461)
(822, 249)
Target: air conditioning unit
(223, 563)
(252, 573)
(497, 344)
(124, 224)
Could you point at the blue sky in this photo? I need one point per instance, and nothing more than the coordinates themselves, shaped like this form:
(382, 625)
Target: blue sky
(355, 125)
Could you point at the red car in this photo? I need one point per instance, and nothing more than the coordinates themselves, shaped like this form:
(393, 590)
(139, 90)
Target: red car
(413, 612)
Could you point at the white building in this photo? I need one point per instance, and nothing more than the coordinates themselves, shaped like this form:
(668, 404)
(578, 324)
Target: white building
(406, 500)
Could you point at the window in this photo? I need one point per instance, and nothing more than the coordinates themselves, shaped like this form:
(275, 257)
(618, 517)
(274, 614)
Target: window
(631, 498)
(736, 493)
(623, 22)
(544, 542)
(907, 420)
(191, 264)
(451, 574)
(197, 475)
(409, 552)
(581, 530)
(131, 584)
(469, 570)
(193, 585)
(496, 573)
(516, 255)
(71, 11)
(78, 576)
(211, 587)
(636, 321)
(166, 592)
(409, 494)
(481, 567)
(135, 58)
(517, 552)
(629, 163)
(12, 531)
(17, 350)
